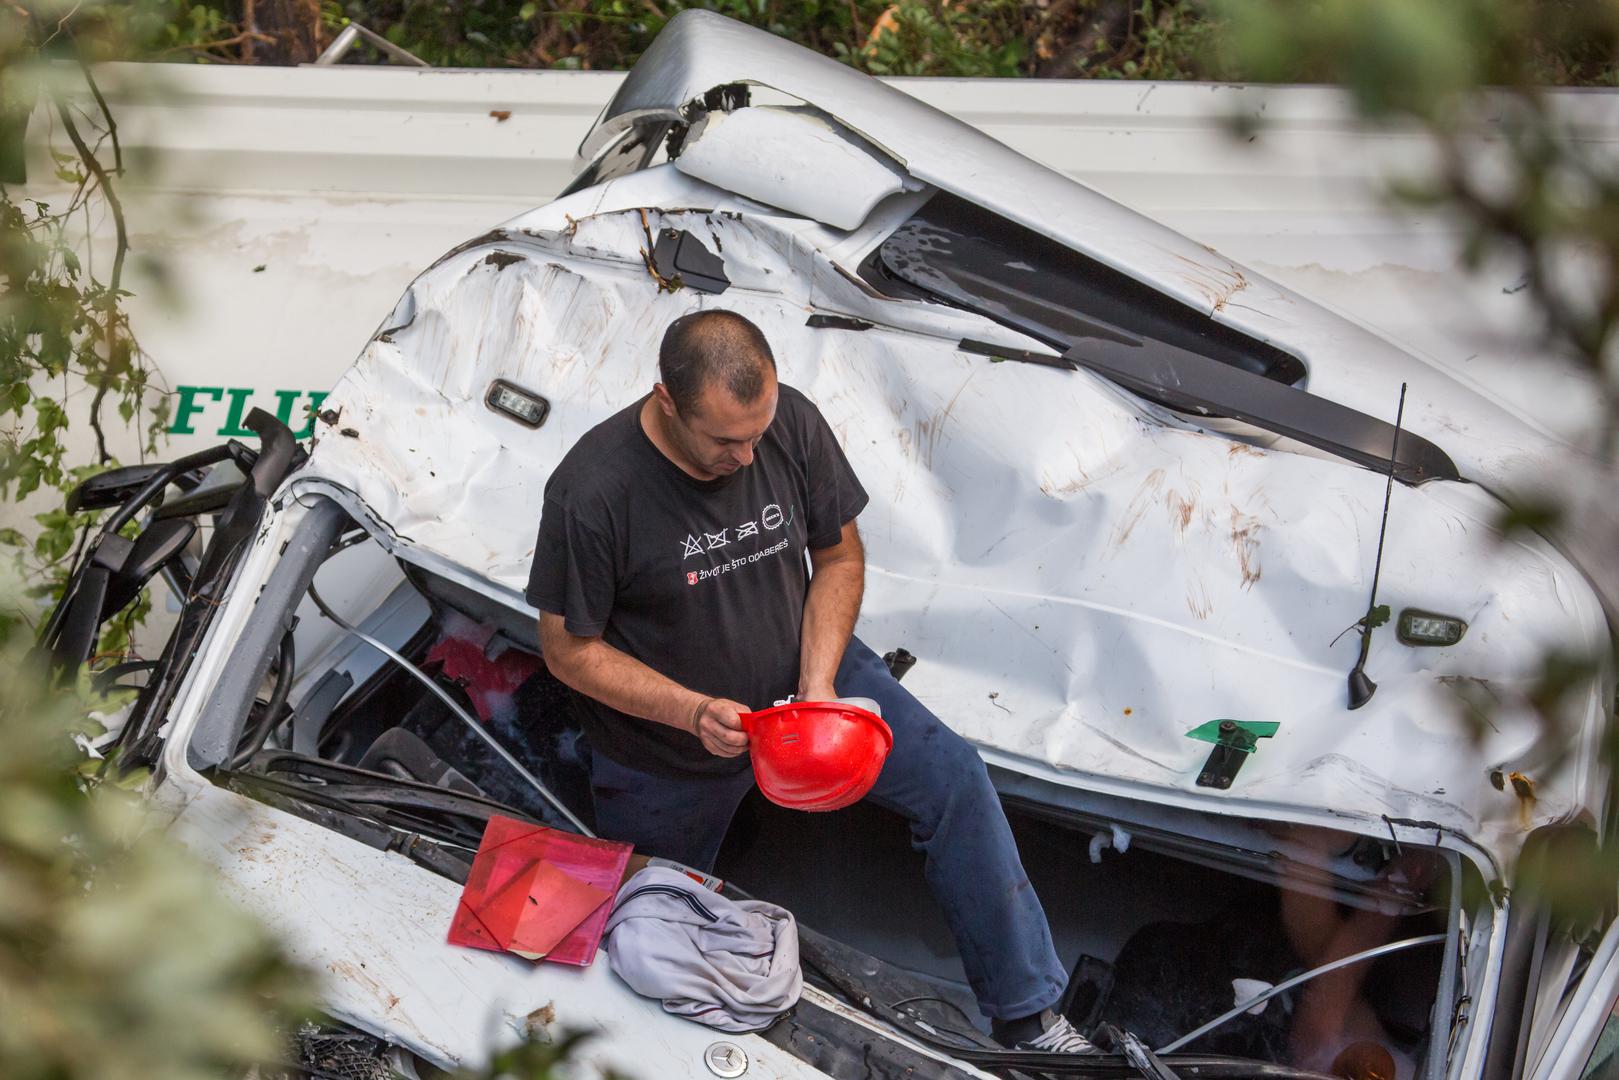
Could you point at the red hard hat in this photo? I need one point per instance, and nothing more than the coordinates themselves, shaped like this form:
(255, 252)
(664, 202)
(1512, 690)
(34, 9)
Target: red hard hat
(816, 755)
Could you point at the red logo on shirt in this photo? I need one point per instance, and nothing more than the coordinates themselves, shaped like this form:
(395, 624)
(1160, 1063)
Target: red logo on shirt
(691, 578)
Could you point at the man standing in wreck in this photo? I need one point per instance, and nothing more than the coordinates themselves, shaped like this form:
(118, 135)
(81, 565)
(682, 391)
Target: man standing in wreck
(698, 557)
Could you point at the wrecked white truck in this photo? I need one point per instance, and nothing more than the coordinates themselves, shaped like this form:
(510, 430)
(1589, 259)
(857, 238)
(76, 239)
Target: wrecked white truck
(1126, 497)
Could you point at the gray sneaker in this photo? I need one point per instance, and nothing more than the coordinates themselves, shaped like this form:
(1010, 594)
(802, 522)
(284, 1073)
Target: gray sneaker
(1057, 1036)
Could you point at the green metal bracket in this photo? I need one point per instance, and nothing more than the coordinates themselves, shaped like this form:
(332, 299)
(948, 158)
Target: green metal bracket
(1233, 741)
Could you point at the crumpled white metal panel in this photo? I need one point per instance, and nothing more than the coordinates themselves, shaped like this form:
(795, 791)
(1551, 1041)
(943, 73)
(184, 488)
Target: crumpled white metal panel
(793, 159)
(1083, 580)
(1491, 441)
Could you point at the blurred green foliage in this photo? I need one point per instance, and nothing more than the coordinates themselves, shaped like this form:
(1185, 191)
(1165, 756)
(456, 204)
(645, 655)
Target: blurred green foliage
(1062, 38)
(1131, 39)
(1422, 57)
(536, 1058)
(118, 958)
(64, 327)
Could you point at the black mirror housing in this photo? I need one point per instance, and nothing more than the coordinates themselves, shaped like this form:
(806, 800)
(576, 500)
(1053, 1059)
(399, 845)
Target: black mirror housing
(111, 488)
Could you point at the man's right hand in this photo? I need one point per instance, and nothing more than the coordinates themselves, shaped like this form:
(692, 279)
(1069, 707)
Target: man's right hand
(719, 726)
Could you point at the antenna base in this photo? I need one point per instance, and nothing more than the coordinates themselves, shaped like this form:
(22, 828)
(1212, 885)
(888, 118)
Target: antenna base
(1361, 688)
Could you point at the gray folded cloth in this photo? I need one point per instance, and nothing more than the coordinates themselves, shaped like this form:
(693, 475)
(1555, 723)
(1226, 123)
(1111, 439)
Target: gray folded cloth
(732, 965)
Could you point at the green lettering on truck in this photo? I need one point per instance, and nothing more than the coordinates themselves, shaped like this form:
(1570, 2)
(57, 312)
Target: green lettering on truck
(188, 407)
(194, 400)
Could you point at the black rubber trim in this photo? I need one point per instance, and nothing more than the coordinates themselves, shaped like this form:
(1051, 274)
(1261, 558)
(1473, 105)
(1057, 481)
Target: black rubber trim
(1129, 333)
(837, 322)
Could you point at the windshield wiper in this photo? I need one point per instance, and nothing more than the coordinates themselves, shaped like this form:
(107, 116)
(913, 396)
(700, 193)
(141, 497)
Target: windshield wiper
(375, 830)
(461, 815)
(1137, 1053)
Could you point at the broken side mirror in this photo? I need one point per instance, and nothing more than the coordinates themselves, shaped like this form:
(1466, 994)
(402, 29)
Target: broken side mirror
(159, 545)
(115, 572)
(111, 488)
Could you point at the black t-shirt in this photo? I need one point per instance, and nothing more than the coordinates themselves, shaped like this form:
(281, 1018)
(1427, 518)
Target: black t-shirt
(701, 580)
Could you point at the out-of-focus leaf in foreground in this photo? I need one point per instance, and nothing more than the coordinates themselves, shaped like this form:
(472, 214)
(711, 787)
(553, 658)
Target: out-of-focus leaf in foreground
(118, 956)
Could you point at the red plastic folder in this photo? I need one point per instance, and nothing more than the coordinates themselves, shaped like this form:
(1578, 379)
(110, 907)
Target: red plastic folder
(539, 892)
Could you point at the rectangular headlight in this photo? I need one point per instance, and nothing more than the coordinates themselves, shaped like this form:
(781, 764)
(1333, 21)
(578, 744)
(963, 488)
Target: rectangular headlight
(521, 405)
(1425, 628)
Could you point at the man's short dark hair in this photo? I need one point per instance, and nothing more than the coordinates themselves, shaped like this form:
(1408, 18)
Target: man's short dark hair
(709, 347)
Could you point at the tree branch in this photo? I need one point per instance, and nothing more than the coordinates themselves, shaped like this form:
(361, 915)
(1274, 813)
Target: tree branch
(106, 115)
(250, 27)
(244, 36)
(110, 305)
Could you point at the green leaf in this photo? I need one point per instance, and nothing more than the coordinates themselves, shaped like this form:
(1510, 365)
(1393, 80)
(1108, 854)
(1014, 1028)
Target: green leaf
(1378, 616)
(52, 544)
(28, 477)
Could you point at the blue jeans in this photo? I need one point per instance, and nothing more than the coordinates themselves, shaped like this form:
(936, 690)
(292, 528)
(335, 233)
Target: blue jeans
(932, 778)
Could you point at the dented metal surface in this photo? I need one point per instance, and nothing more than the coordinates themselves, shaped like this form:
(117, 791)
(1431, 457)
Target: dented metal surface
(1085, 578)
(1349, 363)
(793, 159)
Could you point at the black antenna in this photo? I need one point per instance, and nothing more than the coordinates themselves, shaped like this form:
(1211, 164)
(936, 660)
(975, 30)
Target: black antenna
(1361, 687)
